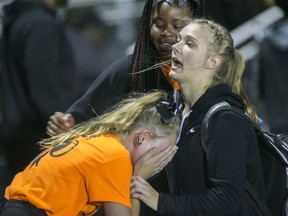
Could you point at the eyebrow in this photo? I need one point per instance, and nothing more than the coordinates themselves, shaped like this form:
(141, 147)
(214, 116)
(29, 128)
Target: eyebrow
(189, 37)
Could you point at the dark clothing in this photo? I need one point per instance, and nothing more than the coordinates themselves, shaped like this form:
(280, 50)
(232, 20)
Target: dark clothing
(109, 88)
(38, 77)
(213, 183)
(273, 73)
(231, 13)
(21, 208)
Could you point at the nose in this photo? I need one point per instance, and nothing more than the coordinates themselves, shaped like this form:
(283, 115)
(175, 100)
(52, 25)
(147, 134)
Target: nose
(176, 46)
(169, 31)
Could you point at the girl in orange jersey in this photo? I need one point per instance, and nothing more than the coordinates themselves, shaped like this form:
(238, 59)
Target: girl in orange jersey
(91, 165)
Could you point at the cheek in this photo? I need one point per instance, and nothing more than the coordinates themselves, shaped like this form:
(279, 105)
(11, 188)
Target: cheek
(166, 143)
(154, 34)
(192, 60)
(138, 152)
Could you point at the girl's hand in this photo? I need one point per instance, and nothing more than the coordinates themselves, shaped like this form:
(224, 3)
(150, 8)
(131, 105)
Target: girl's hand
(153, 161)
(59, 123)
(142, 190)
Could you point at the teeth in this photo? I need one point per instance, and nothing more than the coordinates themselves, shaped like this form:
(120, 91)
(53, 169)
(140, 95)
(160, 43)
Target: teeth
(176, 62)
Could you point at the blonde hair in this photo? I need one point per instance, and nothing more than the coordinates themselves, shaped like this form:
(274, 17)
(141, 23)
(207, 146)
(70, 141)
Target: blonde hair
(136, 111)
(232, 64)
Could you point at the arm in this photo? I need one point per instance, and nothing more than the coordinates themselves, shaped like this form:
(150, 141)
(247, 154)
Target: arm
(135, 207)
(115, 209)
(106, 90)
(140, 189)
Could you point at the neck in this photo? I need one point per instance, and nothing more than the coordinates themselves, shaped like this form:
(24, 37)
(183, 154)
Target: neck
(127, 140)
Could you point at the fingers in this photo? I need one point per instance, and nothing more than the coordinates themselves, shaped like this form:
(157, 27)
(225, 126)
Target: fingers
(141, 189)
(153, 161)
(167, 157)
(164, 157)
(59, 123)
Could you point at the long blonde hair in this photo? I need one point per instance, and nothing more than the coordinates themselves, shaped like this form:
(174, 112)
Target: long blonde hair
(232, 64)
(136, 111)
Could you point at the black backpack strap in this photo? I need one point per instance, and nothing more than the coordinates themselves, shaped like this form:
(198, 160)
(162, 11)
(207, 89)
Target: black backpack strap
(253, 197)
(255, 201)
(205, 123)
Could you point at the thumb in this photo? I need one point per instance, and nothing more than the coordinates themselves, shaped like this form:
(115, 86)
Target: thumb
(68, 120)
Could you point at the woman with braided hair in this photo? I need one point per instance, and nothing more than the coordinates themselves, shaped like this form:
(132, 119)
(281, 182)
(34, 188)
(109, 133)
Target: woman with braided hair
(211, 178)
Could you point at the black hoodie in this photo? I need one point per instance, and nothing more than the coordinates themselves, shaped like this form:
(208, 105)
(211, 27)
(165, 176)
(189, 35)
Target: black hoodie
(213, 183)
(38, 77)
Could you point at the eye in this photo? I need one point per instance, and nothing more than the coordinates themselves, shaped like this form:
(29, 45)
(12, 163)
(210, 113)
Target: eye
(189, 44)
(159, 24)
(178, 28)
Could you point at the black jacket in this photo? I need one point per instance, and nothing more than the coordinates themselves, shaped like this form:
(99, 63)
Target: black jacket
(38, 75)
(112, 84)
(213, 183)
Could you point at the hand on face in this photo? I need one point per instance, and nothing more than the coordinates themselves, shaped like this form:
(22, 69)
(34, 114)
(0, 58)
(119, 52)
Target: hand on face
(153, 161)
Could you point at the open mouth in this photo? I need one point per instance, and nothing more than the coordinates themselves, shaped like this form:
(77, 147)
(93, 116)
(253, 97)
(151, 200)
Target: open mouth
(176, 63)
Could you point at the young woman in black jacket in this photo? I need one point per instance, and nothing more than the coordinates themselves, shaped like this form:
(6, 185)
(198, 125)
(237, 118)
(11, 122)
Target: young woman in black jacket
(209, 70)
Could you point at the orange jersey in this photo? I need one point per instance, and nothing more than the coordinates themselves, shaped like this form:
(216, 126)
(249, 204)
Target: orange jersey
(75, 177)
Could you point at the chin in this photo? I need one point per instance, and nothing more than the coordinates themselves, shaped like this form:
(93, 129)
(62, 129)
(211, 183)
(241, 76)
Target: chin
(173, 75)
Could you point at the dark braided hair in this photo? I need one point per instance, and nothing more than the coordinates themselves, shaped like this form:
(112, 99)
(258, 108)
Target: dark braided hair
(144, 55)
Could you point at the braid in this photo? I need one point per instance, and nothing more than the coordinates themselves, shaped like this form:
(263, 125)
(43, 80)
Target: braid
(143, 49)
(232, 65)
(201, 9)
(144, 55)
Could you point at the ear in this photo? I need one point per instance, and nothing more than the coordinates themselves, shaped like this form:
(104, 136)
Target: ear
(145, 134)
(213, 62)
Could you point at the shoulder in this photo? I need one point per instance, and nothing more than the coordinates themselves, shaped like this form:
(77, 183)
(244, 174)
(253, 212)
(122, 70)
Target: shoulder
(108, 148)
(228, 120)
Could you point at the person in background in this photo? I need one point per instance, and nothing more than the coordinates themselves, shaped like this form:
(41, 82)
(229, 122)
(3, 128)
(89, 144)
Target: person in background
(271, 68)
(91, 165)
(37, 77)
(210, 179)
(232, 14)
(94, 44)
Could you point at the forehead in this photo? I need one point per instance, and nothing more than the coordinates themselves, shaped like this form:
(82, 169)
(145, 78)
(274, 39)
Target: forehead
(167, 11)
(194, 30)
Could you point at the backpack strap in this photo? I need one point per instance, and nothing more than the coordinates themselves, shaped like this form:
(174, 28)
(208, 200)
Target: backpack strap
(253, 198)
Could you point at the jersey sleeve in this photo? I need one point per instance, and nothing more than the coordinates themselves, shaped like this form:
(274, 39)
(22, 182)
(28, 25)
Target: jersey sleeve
(111, 182)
